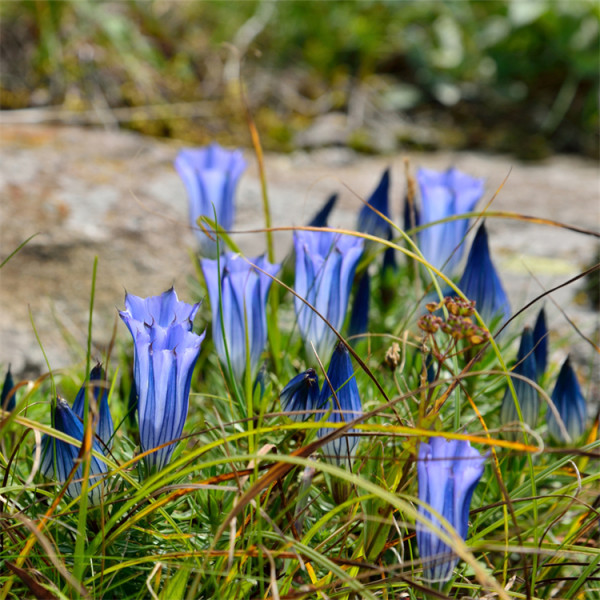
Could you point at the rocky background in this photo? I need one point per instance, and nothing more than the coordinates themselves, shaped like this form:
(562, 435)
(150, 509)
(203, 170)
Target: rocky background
(115, 195)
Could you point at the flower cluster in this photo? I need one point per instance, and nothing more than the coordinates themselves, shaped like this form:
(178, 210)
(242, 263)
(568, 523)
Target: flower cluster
(327, 275)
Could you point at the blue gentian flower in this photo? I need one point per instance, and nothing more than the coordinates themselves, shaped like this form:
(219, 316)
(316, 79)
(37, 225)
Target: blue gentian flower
(244, 290)
(66, 421)
(345, 406)
(444, 195)
(570, 404)
(320, 219)
(448, 472)
(165, 353)
(5, 402)
(210, 176)
(540, 343)
(359, 315)
(105, 427)
(480, 282)
(368, 220)
(529, 400)
(325, 267)
(300, 396)
(165, 310)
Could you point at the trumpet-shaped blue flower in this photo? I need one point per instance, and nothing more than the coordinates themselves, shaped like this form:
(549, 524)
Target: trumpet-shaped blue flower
(58, 457)
(165, 310)
(570, 404)
(320, 219)
(448, 472)
(210, 176)
(368, 220)
(344, 404)
(480, 282)
(240, 306)
(529, 400)
(7, 399)
(97, 385)
(325, 267)
(165, 352)
(444, 195)
(300, 396)
(540, 343)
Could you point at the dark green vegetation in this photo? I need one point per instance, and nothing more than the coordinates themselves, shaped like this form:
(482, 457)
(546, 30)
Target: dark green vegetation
(520, 77)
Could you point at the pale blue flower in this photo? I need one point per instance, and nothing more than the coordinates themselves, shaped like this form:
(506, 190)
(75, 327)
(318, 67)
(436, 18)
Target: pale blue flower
(239, 307)
(210, 176)
(444, 195)
(448, 472)
(165, 353)
(325, 267)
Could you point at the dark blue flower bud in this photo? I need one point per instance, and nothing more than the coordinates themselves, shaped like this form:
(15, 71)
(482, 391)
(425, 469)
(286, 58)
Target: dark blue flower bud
(570, 404)
(540, 343)
(389, 260)
(480, 282)
(320, 219)
(105, 427)
(359, 316)
(368, 220)
(300, 396)
(529, 400)
(6, 402)
(345, 405)
(58, 457)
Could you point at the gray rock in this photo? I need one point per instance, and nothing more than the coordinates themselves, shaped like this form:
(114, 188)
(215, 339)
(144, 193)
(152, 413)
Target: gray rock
(115, 195)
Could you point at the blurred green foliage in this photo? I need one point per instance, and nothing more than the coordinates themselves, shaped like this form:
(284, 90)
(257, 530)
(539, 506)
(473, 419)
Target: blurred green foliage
(519, 76)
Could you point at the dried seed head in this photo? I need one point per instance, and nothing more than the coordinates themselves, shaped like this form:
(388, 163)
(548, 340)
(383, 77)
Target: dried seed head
(392, 357)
